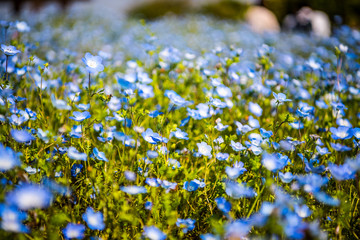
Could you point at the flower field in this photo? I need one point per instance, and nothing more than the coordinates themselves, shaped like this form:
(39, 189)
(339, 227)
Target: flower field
(180, 128)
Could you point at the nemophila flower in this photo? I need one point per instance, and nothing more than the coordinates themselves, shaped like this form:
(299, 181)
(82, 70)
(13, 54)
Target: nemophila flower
(22, 26)
(76, 169)
(253, 123)
(339, 147)
(209, 236)
(186, 224)
(21, 136)
(223, 205)
(297, 125)
(204, 149)
(59, 104)
(153, 182)
(74, 154)
(193, 185)
(237, 146)
(148, 205)
(235, 171)
(12, 218)
(356, 132)
(168, 185)
(343, 122)
(286, 177)
(302, 211)
(242, 129)
(312, 182)
(222, 156)
(184, 122)
(152, 154)
(8, 158)
(93, 63)
(322, 151)
(236, 190)
(83, 107)
(155, 113)
(179, 134)
(31, 170)
(321, 104)
(217, 103)
(342, 172)
(304, 111)
(94, 220)
(341, 133)
(281, 98)
(133, 190)
(326, 199)
(219, 126)
(223, 91)
(9, 50)
(176, 99)
(99, 155)
(274, 162)
(130, 176)
(29, 196)
(80, 116)
(152, 137)
(76, 131)
(255, 109)
(338, 106)
(153, 233)
(265, 134)
(237, 229)
(74, 231)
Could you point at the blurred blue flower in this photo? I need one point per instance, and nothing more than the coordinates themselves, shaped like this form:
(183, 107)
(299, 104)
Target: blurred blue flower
(94, 220)
(21, 136)
(74, 231)
(74, 154)
(153, 233)
(133, 190)
(8, 158)
(223, 205)
(186, 224)
(80, 116)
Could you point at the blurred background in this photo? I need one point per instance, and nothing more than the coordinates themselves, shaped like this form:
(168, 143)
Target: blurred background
(274, 14)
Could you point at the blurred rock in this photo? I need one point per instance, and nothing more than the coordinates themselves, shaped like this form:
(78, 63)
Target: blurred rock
(261, 20)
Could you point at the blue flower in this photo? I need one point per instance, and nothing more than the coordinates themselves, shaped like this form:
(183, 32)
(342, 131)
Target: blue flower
(193, 185)
(327, 199)
(286, 177)
(223, 205)
(74, 231)
(133, 190)
(80, 116)
(99, 155)
(186, 224)
(237, 146)
(152, 137)
(93, 63)
(21, 136)
(176, 99)
(255, 109)
(155, 113)
(76, 169)
(235, 171)
(29, 196)
(339, 147)
(130, 176)
(204, 149)
(148, 205)
(223, 91)
(179, 134)
(8, 158)
(94, 220)
(236, 190)
(274, 162)
(59, 104)
(74, 154)
(222, 156)
(184, 121)
(265, 134)
(341, 133)
(342, 172)
(322, 151)
(281, 98)
(153, 233)
(9, 50)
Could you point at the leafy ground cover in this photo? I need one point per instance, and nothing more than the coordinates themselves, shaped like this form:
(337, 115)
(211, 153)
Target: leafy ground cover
(177, 129)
